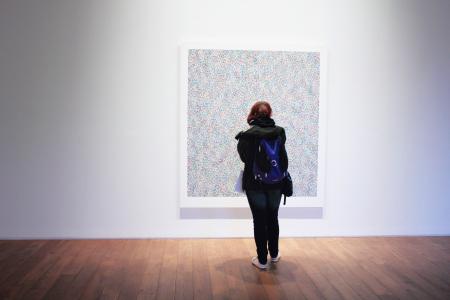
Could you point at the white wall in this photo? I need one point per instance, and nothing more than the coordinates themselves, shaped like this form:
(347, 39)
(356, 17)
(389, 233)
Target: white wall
(89, 103)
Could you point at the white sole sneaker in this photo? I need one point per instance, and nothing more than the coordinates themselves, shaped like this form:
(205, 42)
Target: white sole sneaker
(276, 259)
(259, 265)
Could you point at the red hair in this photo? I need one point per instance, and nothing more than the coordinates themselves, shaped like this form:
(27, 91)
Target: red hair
(259, 109)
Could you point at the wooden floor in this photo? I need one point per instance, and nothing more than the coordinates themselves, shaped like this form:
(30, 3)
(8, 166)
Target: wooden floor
(310, 268)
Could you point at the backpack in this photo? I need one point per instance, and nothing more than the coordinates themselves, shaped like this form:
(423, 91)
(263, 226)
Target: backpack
(266, 165)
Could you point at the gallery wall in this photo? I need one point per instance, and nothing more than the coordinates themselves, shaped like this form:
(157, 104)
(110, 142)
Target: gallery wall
(89, 114)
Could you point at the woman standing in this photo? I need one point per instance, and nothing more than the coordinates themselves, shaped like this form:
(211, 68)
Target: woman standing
(264, 198)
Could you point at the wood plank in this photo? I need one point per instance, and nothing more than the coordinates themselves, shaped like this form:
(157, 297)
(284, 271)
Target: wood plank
(219, 284)
(201, 275)
(313, 267)
(231, 261)
(95, 251)
(19, 263)
(50, 276)
(292, 260)
(133, 271)
(59, 288)
(376, 264)
(167, 278)
(184, 286)
(93, 289)
(41, 275)
(412, 271)
(366, 277)
(112, 275)
(341, 270)
(154, 256)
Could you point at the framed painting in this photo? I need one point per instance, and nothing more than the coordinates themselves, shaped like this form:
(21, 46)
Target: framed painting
(218, 85)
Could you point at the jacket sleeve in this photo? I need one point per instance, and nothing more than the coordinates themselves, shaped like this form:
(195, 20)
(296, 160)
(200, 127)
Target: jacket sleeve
(284, 157)
(242, 147)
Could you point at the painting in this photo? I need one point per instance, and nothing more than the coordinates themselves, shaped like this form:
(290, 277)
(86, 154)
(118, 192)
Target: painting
(219, 84)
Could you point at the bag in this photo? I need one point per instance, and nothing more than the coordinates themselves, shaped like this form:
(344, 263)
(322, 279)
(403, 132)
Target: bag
(287, 189)
(266, 165)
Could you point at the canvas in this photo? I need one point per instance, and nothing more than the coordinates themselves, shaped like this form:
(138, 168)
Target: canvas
(220, 86)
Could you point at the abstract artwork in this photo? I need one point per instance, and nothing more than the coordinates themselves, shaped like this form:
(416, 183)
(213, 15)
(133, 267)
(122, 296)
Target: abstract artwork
(219, 86)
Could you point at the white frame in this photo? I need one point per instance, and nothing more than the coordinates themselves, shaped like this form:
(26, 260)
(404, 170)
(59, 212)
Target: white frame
(236, 202)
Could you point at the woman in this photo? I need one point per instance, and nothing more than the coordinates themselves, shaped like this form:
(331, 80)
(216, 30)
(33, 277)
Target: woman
(263, 198)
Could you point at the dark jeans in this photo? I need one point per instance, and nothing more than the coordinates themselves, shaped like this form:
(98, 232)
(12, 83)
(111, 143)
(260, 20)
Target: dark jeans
(264, 206)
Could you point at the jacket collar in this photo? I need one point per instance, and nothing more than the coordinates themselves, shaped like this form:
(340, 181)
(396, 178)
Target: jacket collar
(263, 127)
(263, 122)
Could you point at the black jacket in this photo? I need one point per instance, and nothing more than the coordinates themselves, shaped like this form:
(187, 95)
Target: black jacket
(263, 127)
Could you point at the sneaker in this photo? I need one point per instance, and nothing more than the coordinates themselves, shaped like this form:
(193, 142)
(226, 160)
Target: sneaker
(259, 265)
(276, 259)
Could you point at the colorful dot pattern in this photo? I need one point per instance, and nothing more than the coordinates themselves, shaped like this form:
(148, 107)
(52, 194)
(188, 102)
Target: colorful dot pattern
(222, 87)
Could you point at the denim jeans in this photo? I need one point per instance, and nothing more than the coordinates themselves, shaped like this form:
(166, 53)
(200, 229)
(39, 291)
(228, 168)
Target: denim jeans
(264, 206)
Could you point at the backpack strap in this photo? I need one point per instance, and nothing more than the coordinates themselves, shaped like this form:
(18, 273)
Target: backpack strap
(284, 202)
